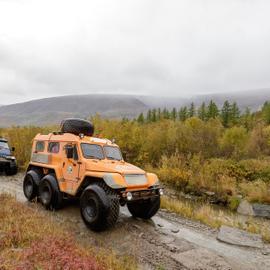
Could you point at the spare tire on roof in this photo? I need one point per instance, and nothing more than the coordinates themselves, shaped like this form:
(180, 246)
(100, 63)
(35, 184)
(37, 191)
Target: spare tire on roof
(77, 126)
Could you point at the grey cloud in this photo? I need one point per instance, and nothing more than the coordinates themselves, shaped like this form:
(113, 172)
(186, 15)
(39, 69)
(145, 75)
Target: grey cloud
(176, 48)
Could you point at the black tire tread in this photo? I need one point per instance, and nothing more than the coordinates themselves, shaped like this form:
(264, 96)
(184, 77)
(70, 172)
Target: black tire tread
(144, 209)
(113, 213)
(57, 196)
(77, 126)
(108, 218)
(35, 188)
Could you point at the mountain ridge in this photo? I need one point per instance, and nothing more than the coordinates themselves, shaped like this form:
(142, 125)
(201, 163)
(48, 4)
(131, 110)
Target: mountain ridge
(52, 110)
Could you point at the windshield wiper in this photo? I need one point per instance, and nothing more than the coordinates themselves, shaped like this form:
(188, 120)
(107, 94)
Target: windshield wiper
(93, 157)
(113, 158)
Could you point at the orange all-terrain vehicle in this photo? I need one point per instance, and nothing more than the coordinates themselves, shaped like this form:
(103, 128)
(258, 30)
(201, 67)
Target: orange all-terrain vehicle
(72, 163)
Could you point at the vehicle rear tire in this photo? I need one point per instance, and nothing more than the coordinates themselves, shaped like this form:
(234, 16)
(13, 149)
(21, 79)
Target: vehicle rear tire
(77, 126)
(50, 196)
(144, 209)
(93, 211)
(30, 189)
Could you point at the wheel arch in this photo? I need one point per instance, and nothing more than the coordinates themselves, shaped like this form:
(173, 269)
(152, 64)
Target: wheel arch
(44, 169)
(88, 180)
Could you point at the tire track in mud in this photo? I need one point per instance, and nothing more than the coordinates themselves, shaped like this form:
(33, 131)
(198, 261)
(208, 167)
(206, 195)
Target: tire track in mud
(164, 242)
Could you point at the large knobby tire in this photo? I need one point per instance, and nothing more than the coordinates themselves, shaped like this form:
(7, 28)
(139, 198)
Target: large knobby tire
(30, 189)
(96, 214)
(50, 196)
(144, 209)
(77, 126)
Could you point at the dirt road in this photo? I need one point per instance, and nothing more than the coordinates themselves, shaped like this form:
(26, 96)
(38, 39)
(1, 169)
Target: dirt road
(165, 242)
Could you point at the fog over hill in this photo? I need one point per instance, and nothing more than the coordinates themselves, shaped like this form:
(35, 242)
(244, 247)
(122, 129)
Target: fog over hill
(252, 99)
(53, 110)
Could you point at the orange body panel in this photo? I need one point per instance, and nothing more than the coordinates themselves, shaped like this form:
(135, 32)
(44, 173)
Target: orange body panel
(71, 172)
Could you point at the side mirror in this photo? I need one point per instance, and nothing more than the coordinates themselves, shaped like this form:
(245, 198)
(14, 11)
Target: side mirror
(124, 154)
(69, 151)
(12, 149)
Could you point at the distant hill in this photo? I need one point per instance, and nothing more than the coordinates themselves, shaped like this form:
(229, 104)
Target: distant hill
(53, 110)
(252, 99)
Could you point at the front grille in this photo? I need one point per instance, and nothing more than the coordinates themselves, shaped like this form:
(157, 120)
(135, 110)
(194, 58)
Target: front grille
(136, 179)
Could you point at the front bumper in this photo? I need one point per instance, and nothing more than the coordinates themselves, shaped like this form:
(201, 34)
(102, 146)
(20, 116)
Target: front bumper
(7, 163)
(141, 194)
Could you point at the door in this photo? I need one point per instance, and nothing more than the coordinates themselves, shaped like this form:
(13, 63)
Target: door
(71, 169)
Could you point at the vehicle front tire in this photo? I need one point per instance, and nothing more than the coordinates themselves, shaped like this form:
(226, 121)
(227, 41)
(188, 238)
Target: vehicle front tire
(144, 209)
(30, 189)
(50, 196)
(95, 213)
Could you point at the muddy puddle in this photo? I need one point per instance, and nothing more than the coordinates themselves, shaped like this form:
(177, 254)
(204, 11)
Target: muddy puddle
(167, 241)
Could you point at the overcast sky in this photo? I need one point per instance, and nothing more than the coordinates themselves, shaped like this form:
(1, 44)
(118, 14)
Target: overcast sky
(181, 47)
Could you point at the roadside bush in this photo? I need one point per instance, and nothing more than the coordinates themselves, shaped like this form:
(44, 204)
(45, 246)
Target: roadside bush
(258, 144)
(233, 142)
(234, 202)
(257, 191)
(226, 178)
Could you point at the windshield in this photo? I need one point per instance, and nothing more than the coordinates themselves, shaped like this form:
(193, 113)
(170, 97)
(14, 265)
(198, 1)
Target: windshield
(112, 152)
(92, 151)
(4, 149)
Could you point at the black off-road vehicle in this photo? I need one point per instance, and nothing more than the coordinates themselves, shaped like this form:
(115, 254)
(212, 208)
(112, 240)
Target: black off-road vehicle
(8, 162)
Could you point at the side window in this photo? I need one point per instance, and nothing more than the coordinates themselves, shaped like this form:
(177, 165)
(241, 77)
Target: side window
(53, 147)
(40, 146)
(71, 151)
(75, 153)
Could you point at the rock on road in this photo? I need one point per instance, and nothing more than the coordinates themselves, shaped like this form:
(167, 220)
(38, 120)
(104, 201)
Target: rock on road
(167, 241)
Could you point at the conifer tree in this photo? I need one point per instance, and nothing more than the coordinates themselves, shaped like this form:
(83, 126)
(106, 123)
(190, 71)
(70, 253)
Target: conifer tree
(212, 110)
(149, 116)
(226, 113)
(191, 110)
(183, 113)
(235, 114)
(158, 114)
(202, 112)
(174, 114)
(154, 115)
(165, 114)
(266, 112)
(140, 118)
(246, 118)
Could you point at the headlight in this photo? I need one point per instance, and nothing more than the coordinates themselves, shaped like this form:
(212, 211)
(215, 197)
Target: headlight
(129, 196)
(10, 158)
(161, 192)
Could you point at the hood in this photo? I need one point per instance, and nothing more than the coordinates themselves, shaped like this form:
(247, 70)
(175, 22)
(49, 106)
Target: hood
(5, 152)
(113, 167)
(8, 157)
